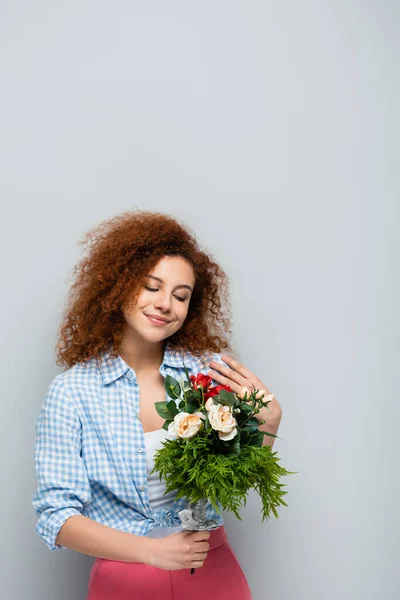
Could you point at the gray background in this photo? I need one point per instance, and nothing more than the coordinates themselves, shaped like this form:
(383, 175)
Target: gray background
(271, 129)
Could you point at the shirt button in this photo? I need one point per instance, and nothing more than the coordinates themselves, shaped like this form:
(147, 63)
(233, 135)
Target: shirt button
(137, 415)
(141, 487)
(140, 449)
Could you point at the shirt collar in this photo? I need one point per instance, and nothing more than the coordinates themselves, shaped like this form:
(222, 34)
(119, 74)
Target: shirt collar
(113, 368)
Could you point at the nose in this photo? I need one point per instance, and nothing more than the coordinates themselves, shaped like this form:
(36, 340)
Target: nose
(163, 302)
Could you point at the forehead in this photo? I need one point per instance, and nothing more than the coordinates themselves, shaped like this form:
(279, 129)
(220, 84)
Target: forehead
(173, 267)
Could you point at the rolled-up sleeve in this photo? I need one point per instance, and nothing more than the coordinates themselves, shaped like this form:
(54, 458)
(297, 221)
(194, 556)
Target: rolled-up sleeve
(63, 488)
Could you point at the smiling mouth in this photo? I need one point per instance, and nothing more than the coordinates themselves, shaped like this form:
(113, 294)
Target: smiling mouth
(156, 321)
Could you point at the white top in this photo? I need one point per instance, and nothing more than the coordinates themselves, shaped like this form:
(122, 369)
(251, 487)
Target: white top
(156, 487)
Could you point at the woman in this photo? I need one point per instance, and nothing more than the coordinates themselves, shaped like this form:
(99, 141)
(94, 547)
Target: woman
(145, 300)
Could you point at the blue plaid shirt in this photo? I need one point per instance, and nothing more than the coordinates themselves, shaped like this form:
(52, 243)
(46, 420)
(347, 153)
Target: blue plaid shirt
(90, 452)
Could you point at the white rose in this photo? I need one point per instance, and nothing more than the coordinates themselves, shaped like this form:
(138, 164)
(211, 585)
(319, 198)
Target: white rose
(186, 425)
(209, 403)
(225, 437)
(222, 420)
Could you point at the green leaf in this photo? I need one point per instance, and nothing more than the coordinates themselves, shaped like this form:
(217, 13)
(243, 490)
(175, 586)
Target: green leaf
(270, 434)
(192, 405)
(222, 400)
(166, 425)
(251, 424)
(173, 409)
(244, 407)
(236, 448)
(162, 409)
(229, 398)
(236, 444)
(187, 374)
(258, 438)
(218, 399)
(172, 387)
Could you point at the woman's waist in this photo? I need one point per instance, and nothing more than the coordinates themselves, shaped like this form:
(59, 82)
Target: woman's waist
(218, 537)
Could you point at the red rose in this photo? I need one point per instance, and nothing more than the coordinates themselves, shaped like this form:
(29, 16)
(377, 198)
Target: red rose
(215, 391)
(200, 380)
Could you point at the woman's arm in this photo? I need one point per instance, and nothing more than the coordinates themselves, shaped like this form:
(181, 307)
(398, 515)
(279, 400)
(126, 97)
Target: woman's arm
(64, 489)
(87, 536)
(182, 550)
(271, 425)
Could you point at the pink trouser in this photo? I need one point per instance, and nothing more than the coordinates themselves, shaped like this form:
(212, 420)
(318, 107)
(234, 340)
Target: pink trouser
(220, 578)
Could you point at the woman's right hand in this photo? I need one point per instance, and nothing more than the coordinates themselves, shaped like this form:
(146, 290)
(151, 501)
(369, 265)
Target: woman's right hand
(183, 550)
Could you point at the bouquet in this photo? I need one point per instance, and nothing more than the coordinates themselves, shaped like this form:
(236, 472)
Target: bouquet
(217, 453)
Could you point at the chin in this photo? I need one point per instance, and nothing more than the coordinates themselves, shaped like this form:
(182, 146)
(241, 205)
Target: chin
(154, 336)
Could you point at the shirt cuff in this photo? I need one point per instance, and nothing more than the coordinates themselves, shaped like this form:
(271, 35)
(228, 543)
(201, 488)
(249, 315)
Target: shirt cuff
(49, 525)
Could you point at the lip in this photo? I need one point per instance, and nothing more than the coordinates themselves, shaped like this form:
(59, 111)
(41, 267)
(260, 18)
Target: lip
(157, 321)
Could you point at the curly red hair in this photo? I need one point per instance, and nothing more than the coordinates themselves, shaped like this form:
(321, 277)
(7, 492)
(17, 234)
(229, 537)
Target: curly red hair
(122, 250)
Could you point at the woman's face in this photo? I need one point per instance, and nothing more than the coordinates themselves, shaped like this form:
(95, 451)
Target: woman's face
(167, 292)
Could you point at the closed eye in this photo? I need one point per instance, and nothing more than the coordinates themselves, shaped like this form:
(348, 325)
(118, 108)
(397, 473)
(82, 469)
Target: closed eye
(156, 290)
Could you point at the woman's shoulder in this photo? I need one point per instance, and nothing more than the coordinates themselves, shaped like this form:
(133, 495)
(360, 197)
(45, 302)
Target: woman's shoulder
(79, 373)
(79, 377)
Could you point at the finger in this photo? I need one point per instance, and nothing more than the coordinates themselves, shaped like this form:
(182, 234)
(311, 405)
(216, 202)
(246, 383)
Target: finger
(235, 387)
(235, 381)
(196, 564)
(202, 547)
(201, 535)
(199, 556)
(227, 373)
(237, 366)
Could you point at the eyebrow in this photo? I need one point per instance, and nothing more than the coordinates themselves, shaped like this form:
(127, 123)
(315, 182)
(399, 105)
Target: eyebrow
(176, 287)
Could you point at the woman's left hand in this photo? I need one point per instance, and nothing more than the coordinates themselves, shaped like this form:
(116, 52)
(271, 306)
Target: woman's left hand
(241, 379)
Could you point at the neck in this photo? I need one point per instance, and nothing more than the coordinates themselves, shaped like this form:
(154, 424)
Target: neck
(140, 354)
